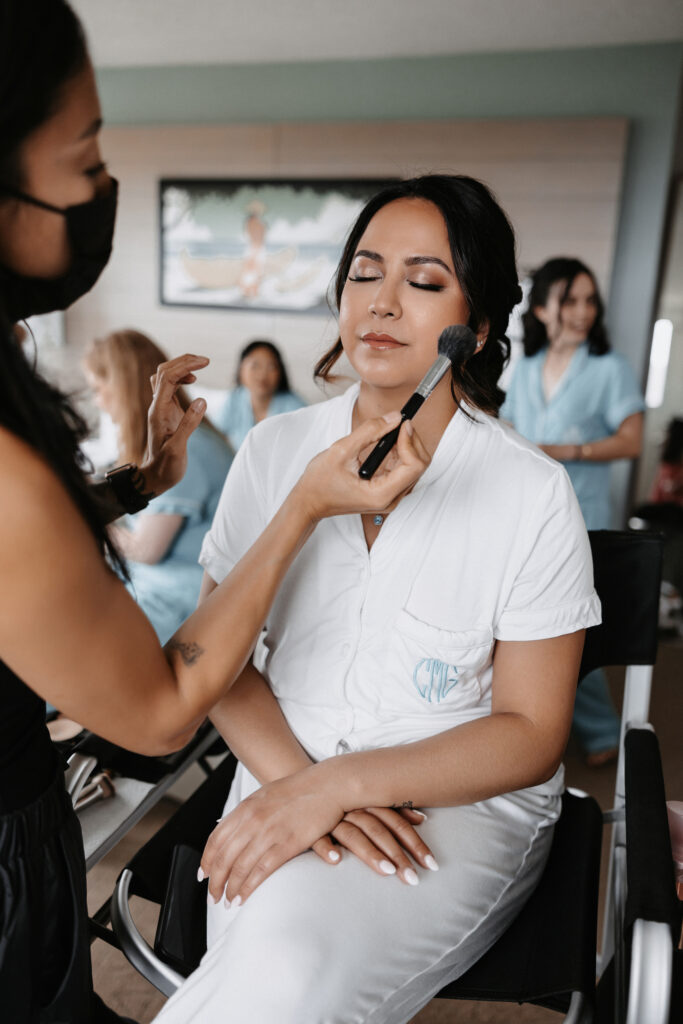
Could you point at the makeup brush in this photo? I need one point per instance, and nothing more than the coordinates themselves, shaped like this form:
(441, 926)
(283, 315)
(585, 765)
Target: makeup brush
(456, 345)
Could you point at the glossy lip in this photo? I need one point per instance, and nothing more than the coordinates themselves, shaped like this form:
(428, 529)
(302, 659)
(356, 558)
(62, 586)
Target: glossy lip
(381, 340)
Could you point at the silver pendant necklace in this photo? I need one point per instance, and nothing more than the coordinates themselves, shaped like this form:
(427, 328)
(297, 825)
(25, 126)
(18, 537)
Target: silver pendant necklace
(378, 519)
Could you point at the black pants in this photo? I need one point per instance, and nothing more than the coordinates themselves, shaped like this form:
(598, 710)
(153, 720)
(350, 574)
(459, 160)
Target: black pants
(45, 972)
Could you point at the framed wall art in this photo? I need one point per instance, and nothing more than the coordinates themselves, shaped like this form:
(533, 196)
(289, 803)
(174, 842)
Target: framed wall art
(268, 245)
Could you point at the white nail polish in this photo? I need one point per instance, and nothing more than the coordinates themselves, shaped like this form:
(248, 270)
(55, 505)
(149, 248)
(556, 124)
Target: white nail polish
(431, 863)
(333, 856)
(387, 868)
(422, 814)
(200, 875)
(226, 903)
(211, 901)
(237, 902)
(410, 877)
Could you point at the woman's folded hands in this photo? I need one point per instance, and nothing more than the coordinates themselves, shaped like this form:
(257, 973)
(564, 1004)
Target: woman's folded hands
(288, 816)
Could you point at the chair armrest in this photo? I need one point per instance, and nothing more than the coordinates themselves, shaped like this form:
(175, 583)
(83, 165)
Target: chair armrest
(651, 975)
(652, 912)
(134, 947)
(649, 865)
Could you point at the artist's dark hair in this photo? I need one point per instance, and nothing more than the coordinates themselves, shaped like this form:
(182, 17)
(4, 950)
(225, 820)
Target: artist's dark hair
(283, 380)
(672, 450)
(566, 269)
(42, 47)
(483, 249)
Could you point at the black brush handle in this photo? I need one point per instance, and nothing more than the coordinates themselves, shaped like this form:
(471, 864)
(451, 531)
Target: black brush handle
(386, 443)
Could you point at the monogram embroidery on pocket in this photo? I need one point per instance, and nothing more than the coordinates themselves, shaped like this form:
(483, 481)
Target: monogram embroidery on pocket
(434, 679)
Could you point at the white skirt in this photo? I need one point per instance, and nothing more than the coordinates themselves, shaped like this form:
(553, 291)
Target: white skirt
(339, 944)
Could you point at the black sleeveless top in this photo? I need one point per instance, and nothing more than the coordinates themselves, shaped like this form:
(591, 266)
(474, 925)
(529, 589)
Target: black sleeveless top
(27, 758)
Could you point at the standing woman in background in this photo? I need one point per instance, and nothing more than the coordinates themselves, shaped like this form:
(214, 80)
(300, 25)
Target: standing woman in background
(580, 403)
(69, 630)
(162, 542)
(262, 390)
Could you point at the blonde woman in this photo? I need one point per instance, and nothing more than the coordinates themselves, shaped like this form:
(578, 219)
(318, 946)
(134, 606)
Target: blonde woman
(162, 542)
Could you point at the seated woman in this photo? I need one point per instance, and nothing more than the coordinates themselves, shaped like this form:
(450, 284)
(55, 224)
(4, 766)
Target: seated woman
(262, 389)
(426, 658)
(162, 542)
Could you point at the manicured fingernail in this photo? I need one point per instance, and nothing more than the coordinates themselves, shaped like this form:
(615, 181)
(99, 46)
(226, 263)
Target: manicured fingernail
(333, 855)
(410, 877)
(211, 900)
(237, 902)
(410, 429)
(226, 903)
(200, 875)
(431, 863)
(387, 868)
(421, 813)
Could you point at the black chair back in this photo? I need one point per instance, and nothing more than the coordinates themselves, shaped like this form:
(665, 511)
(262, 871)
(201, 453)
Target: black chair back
(627, 569)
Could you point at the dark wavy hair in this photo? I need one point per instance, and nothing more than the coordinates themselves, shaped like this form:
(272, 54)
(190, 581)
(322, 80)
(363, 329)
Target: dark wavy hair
(565, 269)
(483, 249)
(283, 380)
(42, 47)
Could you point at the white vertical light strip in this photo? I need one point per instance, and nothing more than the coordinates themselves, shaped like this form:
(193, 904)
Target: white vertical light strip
(659, 363)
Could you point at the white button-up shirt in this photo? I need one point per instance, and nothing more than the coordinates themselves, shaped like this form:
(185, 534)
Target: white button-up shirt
(375, 648)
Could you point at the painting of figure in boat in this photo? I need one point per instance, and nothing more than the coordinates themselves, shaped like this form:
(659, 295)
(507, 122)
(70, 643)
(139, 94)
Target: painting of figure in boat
(262, 245)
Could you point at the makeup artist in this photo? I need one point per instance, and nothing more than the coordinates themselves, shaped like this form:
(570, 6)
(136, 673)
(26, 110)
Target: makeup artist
(69, 631)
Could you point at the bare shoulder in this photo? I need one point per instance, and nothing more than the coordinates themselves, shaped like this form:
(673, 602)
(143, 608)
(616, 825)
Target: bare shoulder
(36, 510)
(23, 469)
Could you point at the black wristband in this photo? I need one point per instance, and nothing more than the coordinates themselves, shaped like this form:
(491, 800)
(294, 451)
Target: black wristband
(127, 483)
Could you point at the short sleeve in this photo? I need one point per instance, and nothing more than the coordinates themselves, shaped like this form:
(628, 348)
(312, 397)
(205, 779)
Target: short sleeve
(624, 397)
(224, 417)
(292, 402)
(507, 409)
(240, 517)
(190, 495)
(552, 591)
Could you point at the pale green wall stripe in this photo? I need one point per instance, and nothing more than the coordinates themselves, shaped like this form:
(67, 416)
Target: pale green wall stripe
(614, 80)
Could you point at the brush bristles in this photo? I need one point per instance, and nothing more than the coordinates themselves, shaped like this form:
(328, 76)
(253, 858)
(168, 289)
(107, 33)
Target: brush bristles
(458, 342)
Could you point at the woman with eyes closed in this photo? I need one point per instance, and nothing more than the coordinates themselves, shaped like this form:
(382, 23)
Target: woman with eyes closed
(401, 725)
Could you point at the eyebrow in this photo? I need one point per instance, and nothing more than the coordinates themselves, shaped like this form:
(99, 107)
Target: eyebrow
(412, 261)
(92, 130)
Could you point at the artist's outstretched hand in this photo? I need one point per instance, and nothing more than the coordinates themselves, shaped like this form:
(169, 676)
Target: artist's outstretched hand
(168, 426)
(330, 484)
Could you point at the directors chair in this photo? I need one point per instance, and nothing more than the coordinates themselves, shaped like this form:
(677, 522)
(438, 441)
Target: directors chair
(548, 954)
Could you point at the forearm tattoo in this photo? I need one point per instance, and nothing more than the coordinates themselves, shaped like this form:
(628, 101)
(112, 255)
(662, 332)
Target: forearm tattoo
(406, 803)
(189, 652)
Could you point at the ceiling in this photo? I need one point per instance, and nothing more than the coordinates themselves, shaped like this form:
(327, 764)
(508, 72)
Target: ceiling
(129, 33)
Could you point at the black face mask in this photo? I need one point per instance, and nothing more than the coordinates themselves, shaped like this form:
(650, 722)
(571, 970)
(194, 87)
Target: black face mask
(90, 229)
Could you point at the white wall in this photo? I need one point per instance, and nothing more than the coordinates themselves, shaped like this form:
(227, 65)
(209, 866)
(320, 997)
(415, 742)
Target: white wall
(559, 180)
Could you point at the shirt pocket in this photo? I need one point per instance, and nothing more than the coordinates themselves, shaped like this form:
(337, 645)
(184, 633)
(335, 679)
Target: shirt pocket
(438, 669)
